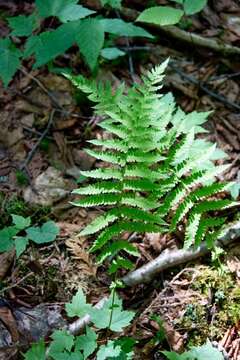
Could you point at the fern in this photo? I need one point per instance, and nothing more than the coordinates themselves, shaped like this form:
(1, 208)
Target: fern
(157, 174)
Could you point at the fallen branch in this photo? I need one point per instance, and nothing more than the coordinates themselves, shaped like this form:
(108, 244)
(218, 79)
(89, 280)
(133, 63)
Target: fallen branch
(186, 36)
(78, 325)
(170, 258)
(208, 91)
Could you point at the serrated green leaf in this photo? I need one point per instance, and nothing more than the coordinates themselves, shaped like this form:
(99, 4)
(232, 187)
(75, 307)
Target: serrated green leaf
(50, 44)
(161, 15)
(96, 200)
(103, 187)
(74, 12)
(22, 25)
(120, 263)
(44, 234)
(193, 7)
(78, 306)
(62, 340)
(86, 343)
(37, 352)
(111, 311)
(20, 222)
(103, 174)
(108, 351)
(191, 229)
(9, 60)
(90, 39)
(98, 224)
(115, 248)
(112, 53)
(122, 28)
(21, 243)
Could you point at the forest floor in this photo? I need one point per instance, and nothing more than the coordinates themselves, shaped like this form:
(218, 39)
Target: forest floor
(196, 301)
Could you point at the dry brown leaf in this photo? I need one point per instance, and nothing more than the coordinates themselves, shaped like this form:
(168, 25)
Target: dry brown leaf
(5, 261)
(78, 249)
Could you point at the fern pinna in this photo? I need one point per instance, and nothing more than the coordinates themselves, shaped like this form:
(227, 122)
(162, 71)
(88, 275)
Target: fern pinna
(158, 174)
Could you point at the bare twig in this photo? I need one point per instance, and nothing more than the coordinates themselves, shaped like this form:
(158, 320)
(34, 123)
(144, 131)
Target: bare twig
(191, 38)
(170, 258)
(211, 93)
(76, 327)
(43, 87)
(33, 150)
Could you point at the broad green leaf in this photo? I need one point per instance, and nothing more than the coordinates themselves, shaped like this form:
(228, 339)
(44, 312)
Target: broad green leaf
(50, 44)
(6, 238)
(78, 306)
(62, 340)
(193, 6)
(114, 312)
(48, 8)
(161, 15)
(171, 355)
(9, 60)
(112, 53)
(65, 355)
(204, 352)
(37, 352)
(87, 343)
(90, 39)
(21, 243)
(44, 234)
(108, 351)
(74, 12)
(20, 222)
(122, 28)
(115, 4)
(235, 190)
(22, 25)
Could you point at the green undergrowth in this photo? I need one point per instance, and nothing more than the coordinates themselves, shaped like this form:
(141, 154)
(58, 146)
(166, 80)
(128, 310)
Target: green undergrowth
(219, 310)
(16, 205)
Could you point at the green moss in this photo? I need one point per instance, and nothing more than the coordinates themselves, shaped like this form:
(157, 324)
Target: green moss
(16, 205)
(220, 310)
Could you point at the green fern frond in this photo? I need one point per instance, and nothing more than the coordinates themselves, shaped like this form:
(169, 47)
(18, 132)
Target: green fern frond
(103, 187)
(103, 174)
(205, 224)
(118, 130)
(159, 173)
(142, 171)
(139, 215)
(211, 238)
(213, 205)
(181, 212)
(96, 200)
(120, 227)
(140, 185)
(120, 263)
(191, 230)
(209, 190)
(114, 248)
(114, 158)
(139, 201)
(114, 144)
(99, 223)
(144, 157)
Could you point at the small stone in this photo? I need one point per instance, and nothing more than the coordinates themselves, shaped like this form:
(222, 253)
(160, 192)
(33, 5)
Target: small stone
(50, 187)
